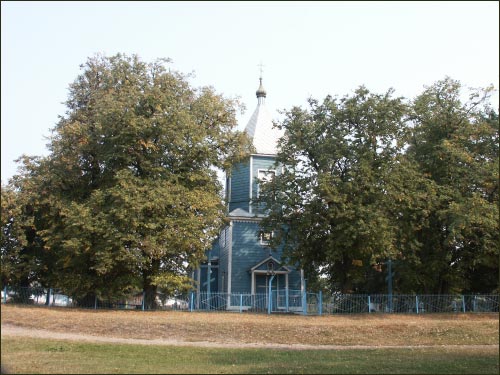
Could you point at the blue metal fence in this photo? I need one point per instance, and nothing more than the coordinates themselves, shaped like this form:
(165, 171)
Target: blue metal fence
(418, 304)
(39, 296)
(279, 301)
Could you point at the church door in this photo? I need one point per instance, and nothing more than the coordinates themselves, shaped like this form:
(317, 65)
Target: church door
(262, 289)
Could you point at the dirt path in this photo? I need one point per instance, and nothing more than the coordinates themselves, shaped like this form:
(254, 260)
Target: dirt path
(11, 330)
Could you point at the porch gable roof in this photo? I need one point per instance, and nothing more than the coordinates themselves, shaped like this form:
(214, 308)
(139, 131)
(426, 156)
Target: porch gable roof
(263, 265)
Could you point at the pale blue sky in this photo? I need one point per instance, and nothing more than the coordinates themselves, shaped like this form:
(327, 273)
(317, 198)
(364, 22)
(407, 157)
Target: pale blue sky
(308, 49)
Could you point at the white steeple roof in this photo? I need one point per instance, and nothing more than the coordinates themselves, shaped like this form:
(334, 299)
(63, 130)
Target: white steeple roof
(260, 127)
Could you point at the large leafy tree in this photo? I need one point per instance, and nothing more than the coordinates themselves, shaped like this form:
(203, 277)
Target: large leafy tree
(129, 196)
(18, 255)
(368, 178)
(330, 206)
(24, 260)
(454, 144)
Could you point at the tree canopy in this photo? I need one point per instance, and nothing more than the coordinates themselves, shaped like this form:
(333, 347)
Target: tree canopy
(128, 197)
(455, 146)
(370, 178)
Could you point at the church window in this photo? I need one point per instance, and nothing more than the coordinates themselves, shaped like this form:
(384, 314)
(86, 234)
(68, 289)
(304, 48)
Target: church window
(270, 266)
(265, 238)
(264, 176)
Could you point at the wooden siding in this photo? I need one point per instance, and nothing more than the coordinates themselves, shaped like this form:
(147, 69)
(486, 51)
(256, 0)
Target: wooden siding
(223, 258)
(213, 279)
(214, 252)
(260, 163)
(239, 243)
(294, 281)
(247, 252)
(240, 182)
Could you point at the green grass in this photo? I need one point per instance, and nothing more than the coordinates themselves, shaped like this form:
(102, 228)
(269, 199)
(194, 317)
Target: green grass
(28, 355)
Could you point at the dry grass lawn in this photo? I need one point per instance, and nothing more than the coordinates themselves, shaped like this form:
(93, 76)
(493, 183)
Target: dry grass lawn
(373, 329)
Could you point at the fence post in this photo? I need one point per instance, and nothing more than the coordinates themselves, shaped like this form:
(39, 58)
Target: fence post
(5, 294)
(304, 299)
(286, 299)
(95, 302)
(143, 298)
(416, 301)
(191, 301)
(389, 283)
(463, 303)
(48, 296)
(369, 304)
(270, 303)
(241, 303)
(320, 307)
(474, 305)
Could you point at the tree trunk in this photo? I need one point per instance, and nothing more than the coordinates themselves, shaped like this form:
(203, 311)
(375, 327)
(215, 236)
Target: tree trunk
(149, 289)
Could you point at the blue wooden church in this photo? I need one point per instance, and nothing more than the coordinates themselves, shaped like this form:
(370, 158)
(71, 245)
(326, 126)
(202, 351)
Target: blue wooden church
(241, 263)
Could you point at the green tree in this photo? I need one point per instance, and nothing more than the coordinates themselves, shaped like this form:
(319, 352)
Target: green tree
(22, 249)
(129, 196)
(330, 206)
(16, 265)
(455, 146)
(369, 178)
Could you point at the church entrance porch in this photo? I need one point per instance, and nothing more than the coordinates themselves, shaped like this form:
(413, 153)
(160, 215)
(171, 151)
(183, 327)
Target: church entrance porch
(270, 286)
(271, 291)
(264, 283)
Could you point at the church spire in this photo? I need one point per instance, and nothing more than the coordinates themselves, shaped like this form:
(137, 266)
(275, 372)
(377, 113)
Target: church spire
(260, 127)
(261, 92)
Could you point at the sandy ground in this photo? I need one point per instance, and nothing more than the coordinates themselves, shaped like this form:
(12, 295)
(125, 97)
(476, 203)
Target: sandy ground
(11, 330)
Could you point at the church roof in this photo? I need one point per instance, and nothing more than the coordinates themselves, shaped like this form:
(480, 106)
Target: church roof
(260, 127)
(241, 213)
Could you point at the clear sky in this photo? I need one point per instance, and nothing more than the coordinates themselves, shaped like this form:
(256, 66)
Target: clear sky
(309, 49)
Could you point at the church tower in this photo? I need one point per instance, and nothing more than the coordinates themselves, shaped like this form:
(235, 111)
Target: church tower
(241, 261)
(242, 185)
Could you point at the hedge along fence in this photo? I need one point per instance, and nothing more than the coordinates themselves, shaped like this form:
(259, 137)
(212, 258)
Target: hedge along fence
(279, 301)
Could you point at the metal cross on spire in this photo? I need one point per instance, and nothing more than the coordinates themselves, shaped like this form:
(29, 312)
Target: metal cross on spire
(261, 70)
(261, 93)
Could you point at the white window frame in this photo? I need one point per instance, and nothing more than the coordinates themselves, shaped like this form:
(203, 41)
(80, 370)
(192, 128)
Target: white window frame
(261, 180)
(265, 242)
